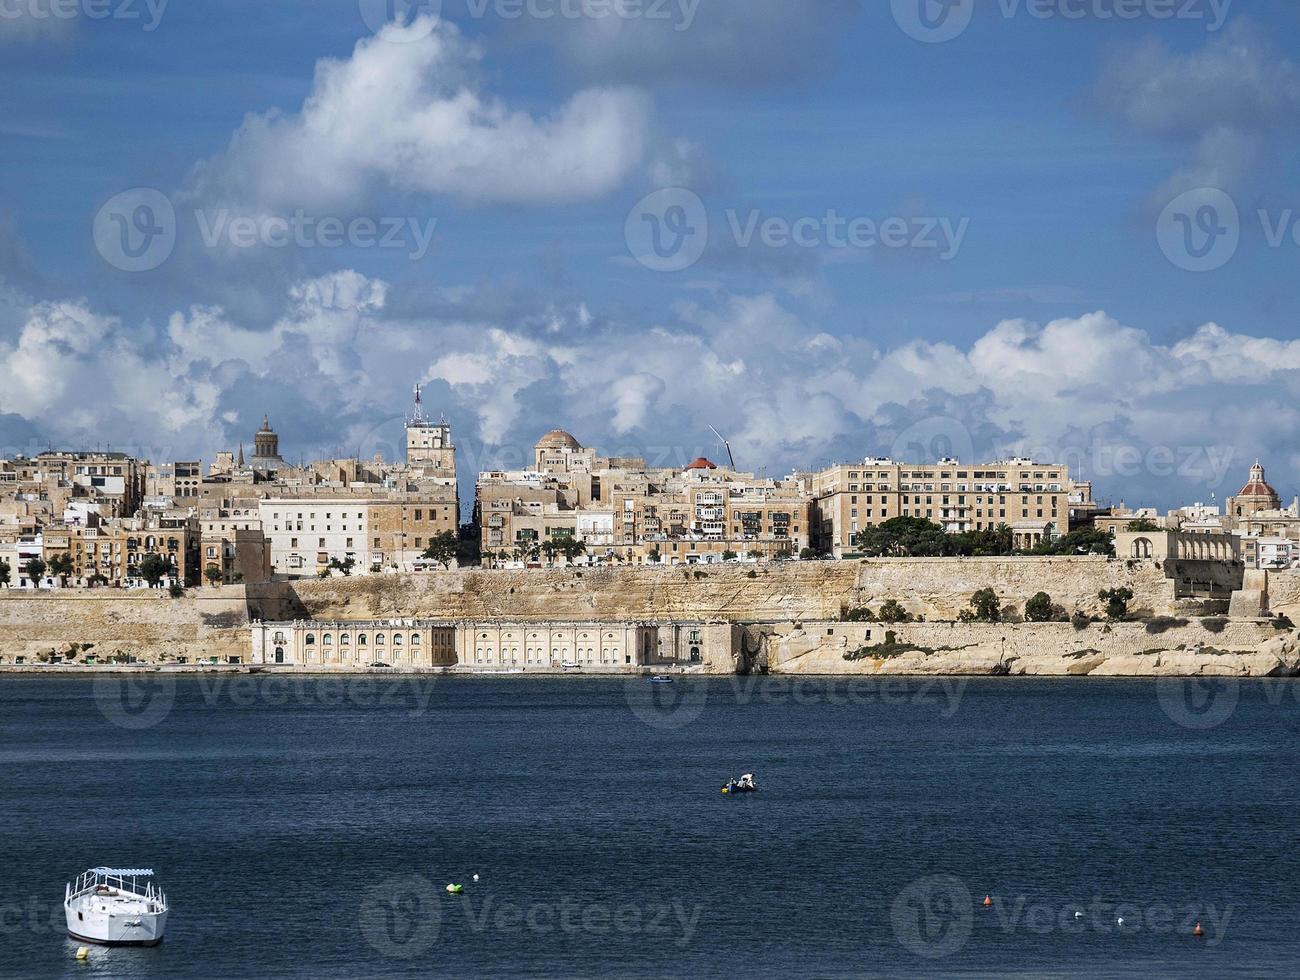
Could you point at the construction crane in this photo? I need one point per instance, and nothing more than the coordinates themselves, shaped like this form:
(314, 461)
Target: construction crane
(727, 444)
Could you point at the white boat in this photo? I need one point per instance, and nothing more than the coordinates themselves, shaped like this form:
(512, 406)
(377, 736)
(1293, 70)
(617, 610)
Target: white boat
(116, 907)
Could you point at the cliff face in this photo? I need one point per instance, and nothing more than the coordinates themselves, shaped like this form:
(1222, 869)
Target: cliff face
(1181, 648)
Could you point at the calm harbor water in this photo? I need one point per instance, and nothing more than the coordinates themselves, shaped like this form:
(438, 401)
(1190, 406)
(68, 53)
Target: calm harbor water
(308, 827)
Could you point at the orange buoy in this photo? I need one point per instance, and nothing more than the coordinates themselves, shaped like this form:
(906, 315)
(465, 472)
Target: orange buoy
(1198, 931)
(988, 900)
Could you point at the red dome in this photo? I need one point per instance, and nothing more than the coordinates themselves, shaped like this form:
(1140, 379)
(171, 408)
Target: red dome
(702, 464)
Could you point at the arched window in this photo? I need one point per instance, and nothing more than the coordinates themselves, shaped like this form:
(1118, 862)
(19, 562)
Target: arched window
(310, 640)
(379, 639)
(362, 640)
(397, 639)
(327, 639)
(1142, 548)
(344, 640)
(415, 639)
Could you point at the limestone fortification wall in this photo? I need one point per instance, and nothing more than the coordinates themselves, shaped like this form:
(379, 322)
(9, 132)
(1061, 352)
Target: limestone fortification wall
(1181, 648)
(934, 588)
(145, 624)
(1284, 593)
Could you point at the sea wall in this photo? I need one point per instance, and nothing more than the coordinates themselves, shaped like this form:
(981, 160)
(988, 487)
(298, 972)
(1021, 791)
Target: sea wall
(1181, 647)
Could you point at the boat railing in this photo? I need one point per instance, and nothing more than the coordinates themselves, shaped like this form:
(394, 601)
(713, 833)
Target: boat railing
(118, 878)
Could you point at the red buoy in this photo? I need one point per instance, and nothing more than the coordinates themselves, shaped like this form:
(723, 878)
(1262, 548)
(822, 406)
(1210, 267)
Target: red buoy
(1198, 931)
(988, 900)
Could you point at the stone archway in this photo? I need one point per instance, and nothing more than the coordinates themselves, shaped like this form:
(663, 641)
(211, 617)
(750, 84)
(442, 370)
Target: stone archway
(1142, 548)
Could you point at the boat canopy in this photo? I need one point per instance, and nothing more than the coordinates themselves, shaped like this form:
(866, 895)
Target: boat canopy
(123, 872)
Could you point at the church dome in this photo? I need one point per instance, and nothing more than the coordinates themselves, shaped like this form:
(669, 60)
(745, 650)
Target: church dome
(702, 464)
(1258, 486)
(558, 439)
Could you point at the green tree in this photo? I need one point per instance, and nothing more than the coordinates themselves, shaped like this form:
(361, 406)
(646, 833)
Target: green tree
(904, 537)
(343, 567)
(985, 607)
(60, 566)
(654, 557)
(729, 555)
(892, 611)
(808, 553)
(1085, 541)
(213, 574)
(154, 568)
(176, 590)
(5, 572)
(1143, 525)
(1039, 608)
(1116, 600)
(443, 548)
(548, 551)
(34, 569)
(572, 548)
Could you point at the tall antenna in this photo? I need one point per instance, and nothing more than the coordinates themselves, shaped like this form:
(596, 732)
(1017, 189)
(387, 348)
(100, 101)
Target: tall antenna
(726, 444)
(418, 415)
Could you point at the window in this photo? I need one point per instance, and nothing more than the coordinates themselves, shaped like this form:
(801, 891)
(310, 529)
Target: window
(362, 640)
(310, 640)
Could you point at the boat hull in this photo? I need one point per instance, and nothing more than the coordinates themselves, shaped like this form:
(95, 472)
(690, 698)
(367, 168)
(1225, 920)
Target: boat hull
(132, 929)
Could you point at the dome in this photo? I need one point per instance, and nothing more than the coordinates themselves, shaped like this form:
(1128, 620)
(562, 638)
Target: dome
(702, 464)
(558, 439)
(1258, 486)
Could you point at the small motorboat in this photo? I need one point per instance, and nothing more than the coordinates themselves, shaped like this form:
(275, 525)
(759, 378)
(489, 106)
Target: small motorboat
(745, 784)
(116, 907)
(661, 679)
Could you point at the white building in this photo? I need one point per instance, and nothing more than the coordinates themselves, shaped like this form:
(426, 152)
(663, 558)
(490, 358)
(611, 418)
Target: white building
(307, 535)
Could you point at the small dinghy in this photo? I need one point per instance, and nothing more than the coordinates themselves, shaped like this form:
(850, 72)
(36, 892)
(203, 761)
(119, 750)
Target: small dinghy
(745, 784)
(661, 679)
(116, 907)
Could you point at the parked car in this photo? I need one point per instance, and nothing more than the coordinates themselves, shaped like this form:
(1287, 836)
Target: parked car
(380, 663)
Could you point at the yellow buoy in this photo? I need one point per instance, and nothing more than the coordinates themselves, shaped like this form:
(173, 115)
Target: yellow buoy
(1198, 931)
(83, 952)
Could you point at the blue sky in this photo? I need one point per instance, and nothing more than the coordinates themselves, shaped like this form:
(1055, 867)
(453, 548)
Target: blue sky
(1036, 291)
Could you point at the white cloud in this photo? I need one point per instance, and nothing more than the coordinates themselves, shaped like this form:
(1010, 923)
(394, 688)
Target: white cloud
(403, 112)
(1084, 390)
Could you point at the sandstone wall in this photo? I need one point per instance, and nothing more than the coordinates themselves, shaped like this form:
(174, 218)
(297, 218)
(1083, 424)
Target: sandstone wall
(934, 588)
(145, 624)
(1101, 649)
(941, 588)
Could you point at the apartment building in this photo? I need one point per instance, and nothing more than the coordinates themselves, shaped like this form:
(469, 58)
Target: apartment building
(1032, 498)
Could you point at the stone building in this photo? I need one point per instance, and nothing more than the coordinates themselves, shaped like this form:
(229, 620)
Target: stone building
(1033, 499)
(401, 643)
(622, 510)
(1255, 497)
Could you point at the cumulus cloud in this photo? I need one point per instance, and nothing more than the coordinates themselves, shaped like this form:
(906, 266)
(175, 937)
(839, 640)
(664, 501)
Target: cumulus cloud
(404, 113)
(1224, 100)
(1145, 420)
